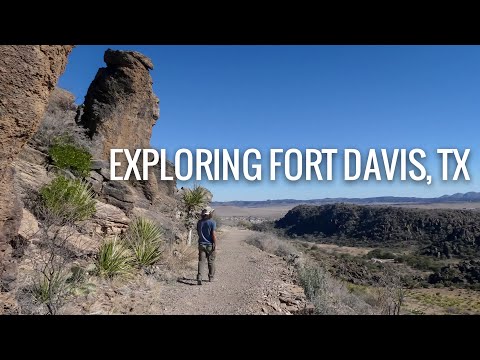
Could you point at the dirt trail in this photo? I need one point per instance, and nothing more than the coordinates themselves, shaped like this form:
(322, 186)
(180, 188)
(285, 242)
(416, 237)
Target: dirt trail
(245, 278)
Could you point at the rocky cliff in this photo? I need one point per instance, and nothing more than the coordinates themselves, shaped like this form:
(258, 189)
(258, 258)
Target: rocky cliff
(120, 110)
(27, 76)
(120, 107)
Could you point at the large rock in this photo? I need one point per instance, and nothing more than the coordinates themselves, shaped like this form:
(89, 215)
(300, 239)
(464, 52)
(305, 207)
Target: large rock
(120, 107)
(28, 226)
(108, 219)
(120, 111)
(28, 74)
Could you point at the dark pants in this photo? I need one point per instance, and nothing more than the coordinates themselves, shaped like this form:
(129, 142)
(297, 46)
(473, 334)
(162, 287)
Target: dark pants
(206, 254)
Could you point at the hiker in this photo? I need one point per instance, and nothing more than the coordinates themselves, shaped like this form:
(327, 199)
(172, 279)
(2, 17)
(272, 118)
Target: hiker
(206, 244)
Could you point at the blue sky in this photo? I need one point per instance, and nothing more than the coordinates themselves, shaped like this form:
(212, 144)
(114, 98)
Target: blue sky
(310, 97)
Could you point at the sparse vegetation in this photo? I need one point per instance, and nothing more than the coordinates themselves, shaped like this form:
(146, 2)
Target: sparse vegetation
(145, 240)
(218, 220)
(48, 288)
(53, 286)
(68, 199)
(273, 245)
(420, 262)
(460, 301)
(53, 282)
(328, 295)
(59, 122)
(114, 259)
(244, 224)
(68, 156)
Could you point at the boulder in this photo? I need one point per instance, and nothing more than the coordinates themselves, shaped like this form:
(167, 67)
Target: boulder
(108, 219)
(28, 225)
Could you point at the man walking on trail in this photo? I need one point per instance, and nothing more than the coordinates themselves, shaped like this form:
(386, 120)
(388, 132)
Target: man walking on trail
(206, 244)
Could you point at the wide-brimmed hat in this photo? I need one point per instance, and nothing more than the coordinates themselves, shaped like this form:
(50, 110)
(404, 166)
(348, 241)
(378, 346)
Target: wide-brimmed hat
(207, 210)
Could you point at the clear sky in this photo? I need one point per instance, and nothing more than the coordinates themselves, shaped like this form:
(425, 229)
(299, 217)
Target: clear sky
(310, 97)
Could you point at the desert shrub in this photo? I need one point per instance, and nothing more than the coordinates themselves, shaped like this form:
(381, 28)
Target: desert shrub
(114, 259)
(49, 288)
(68, 156)
(55, 284)
(145, 240)
(380, 254)
(218, 220)
(180, 257)
(328, 295)
(271, 244)
(420, 262)
(59, 121)
(244, 224)
(264, 226)
(68, 199)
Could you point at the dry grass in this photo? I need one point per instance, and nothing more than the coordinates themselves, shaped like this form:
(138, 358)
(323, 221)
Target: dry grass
(443, 301)
(176, 261)
(336, 250)
(273, 245)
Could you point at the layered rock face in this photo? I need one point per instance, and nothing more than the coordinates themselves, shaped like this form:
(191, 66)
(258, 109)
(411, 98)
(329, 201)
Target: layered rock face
(120, 107)
(27, 76)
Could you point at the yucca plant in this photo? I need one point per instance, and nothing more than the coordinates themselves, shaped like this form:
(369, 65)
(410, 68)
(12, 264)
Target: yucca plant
(68, 199)
(193, 200)
(145, 239)
(114, 259)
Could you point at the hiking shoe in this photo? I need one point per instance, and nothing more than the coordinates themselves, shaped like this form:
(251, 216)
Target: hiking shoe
(211, 279)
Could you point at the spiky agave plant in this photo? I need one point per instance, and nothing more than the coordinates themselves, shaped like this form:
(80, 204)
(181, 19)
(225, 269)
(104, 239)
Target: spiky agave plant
(114, 259)
(68, 199)
(193, 200)
(145, 239)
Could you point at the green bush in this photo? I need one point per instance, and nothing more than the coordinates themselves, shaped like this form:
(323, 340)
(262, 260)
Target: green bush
(145, 239)
(68, 199)
(70, 157)
(421, 262)
(380, 254)
(114, 259)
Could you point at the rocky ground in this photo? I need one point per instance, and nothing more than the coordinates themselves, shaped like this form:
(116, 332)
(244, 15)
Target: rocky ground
(248, 281)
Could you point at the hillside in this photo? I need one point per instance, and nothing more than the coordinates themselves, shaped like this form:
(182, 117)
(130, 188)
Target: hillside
(441, 233)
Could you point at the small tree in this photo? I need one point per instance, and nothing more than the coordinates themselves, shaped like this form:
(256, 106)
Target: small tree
(61, 204)
(54, 281)
(193, 200)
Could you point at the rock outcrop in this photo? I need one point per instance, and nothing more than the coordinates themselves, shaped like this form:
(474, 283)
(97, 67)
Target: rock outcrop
(120, 107)
(120, 111)
(28, 73)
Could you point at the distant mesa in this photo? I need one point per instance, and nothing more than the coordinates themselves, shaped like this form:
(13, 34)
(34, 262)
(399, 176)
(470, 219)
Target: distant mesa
(458, 197)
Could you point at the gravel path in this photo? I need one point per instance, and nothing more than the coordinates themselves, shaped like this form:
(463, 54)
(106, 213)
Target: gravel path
(244, 275)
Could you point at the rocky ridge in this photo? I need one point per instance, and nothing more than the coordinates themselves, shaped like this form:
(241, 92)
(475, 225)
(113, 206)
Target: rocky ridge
(28, 73)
